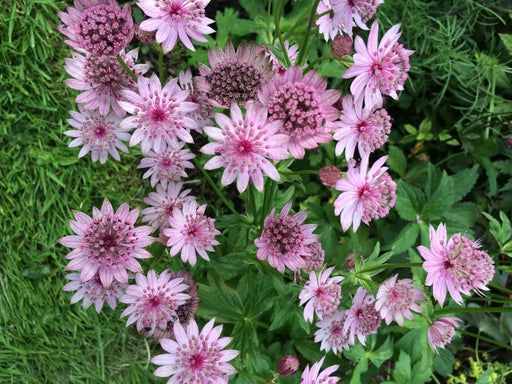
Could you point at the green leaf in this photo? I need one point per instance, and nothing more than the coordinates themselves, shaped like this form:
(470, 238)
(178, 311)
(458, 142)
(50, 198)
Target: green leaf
(406, 238)
(396, 160)
(402, 372)
(501, 232)
(409, 201)
(463, 182)
(461, 216)
(507, 41)
(411, 129)
(441, 199)
(245, 338)
(443, 363)
(219, 301)
(254, 8)
(385, 352)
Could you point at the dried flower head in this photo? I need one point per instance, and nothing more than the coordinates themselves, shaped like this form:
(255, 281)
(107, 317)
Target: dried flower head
(204, 112)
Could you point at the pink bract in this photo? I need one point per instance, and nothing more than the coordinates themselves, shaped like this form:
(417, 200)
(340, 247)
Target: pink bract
(362, 317)
(330, 333)
(442, 331)
(204, 113)
(314, 376)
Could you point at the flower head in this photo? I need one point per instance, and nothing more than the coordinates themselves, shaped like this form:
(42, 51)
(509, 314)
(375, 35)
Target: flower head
(398, 299)
(288, 365)
(203, 114)
(243, 146)
(341, 46)
(195, 357)
(456, 265)
(362, 317)
(284, 239)
(367, 194)
(330, 333)
(314, 376)
(313, 257)
(107, 244)
(349, 13)
(304, 106)
(330, 175)
(441, 332)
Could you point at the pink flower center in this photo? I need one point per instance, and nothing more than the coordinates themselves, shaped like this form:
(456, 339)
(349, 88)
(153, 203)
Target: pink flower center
(197, 361)
(158, 115)
(100, 132)
(167, 162)
(106, 76)
(245, 147)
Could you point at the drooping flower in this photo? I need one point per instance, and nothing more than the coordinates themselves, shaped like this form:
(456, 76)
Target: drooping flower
(284, 239)
(330, 333)
(442, 331)
(349, 13)
(330, 175)
(204, 112)
(244, 145)
(397, 299)
(234, 76)
(167, 165)
(99, 27)
(154, 301)
(191, 232)
(288, 365)
(456, 265)
(94, 292)
(102, 79)
(379, 69)
(322, 294)
(366, 194)
(365, 128)
(107, 244)
(291, 50)
(305, 107)
(196, 357)
(173, 19)
(362, 317)
(100, 135)
(314, 376)
(313, 257)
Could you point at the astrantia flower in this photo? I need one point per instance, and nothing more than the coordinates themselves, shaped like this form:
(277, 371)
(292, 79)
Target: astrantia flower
(160, 115)
(381, 68)
(107, 244)
(397, 299)
(321, 293)
(330, 175)
(349, 13)
(243, 146)
(153, 301)
(362, 317)
(365, 128)
(326, 23)
(330, 333)
(191, 232)
(455, 265)
(367, 194)
(93, 291)
(314, 376)
(173, 19)
(204, 112)
(341, 46)
(284, 239)
(102, 79)
(292, 52)
(163, 202)
(442, 331)
(196, 357)
(98, 27)
(234, 77)
(304, 106)
(313, 257)
(288, 365)
(168, 164)
(100, 135)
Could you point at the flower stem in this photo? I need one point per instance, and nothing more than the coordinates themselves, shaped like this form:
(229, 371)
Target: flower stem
(301, 19)
(473, 310)
(306, 172)
(161, 73)
(390, 265)
(126, 68)
(277, 18)
(343, 61)
(247, 374)
(301, 58)
(502, 345)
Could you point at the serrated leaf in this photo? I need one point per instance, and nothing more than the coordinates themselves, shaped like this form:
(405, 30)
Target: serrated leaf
(402, 372)
(441, 199)
(443, 363)
(254, 8)
(463, 182)
(405, 239)
(220, 301)
(385, 352)
(507, 41)
(396, 160)
(461, 216)
(409, 201)
(245, 338)
(500, 231)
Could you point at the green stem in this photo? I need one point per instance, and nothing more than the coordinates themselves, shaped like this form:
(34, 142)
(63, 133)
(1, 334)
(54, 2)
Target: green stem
(390, 265)
(345, 62)
(435, 379)
(126, 68)
(277, 18)
(161, 72)
(302, 49)
(499, 287)
(473, 310)
(247, 374)
(301, 19)
(306, 172)
(486, 339)
(452, 156)
(491, 102)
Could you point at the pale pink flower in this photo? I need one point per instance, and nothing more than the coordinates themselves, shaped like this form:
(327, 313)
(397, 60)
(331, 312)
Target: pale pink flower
(191, 232)
(314, 376)
(244, 145)
(195, 357)
(291, 50)
(365, 128)
(285, 239)
(330, 175)
(100, 135)
(326, 23)
(379, 69)
(167, 165)
(153, 301)
(305, 107)
(455, 265)
(313, 257)
(322, 294)
(173, 19)
(349, 13)
(93, 291)
(442, 331)
(107, 244)
(102, 79)
(362, 317)
(99, 27)
(203, 114)
(366, 194)
(397, 299)
(330, 333)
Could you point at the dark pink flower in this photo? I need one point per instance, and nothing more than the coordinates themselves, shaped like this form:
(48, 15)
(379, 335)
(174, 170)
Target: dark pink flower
(314, 376)
(441, 332)
(362, 317)
(330, 333)
(288, 365)
(341, 46)
(313, 257)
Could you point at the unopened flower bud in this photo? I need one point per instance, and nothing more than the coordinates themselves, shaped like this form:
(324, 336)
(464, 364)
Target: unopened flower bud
(330, 175)
(341, 45)
(288, 365)
(350, 261)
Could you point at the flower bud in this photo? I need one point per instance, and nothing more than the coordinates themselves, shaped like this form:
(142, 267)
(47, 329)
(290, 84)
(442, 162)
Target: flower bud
(330, 175)
(341, 45)
(288, 365)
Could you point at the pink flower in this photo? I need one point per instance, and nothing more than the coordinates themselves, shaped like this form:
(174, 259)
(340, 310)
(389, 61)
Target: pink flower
(288, 365)
(304, 106)
(455, 265)
(378, 69)
(367, 194)
(330, 175)
(173, 19)
(362, 317)
(191, 232)
(330, 334)
(203, 114)
(367, 128)
(292, 52)
(349, 13)
(326, 23)
(100, 135)
(93, 291)
(160, 115)
(321, 293)
(398, 299)
(196, 357)
(314, 376)
(102, 79)
(441, 332)
(313, 257)
(107, 244)
(244, 145)
(153, 301)
(98, 27)
(285, 239)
